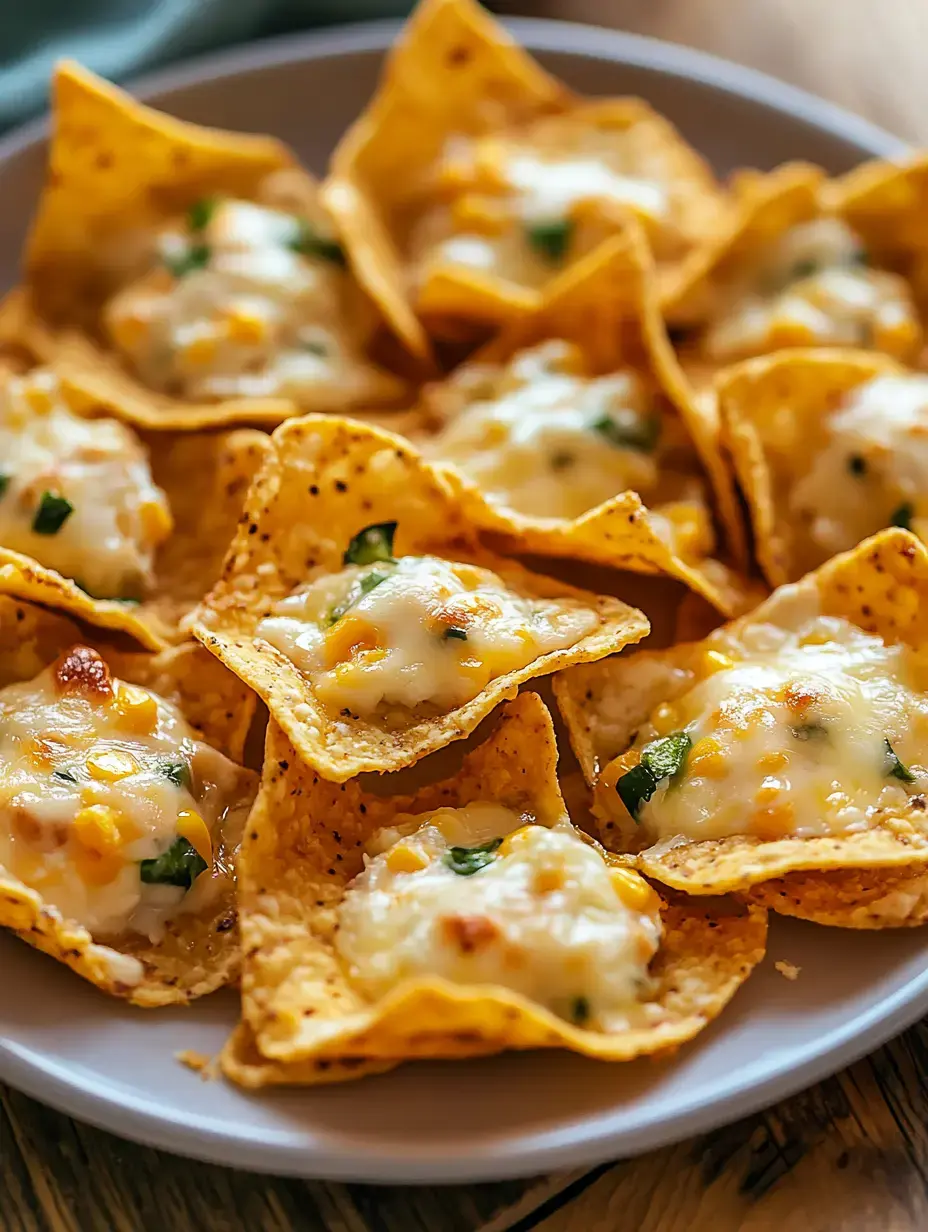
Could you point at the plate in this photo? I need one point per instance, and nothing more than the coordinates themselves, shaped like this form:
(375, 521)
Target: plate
(116, 1067)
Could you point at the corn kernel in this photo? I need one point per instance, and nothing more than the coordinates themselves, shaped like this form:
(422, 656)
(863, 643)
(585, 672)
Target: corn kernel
(773, 822)
(109, 765)
(772, 761)
(789, 332)
(631, 889)
(200, 351)
(39, 399)
(547, 880)
(405, 859)
(138, 709)
(128, 330)
(767, 794)
(96, 827)
(707, 758)
(347, 637)
(665, 719)
(193, 828)
(512, 842)
(899, 338)
(714, 661)
(96, 869)
(479, 215)
(156, 520)
(245, 326)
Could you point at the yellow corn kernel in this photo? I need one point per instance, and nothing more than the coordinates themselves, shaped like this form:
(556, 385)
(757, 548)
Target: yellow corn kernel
(245, 326)
(495, 433)
(788, 331)
(775, 821)
(405, 859)
(665, 719)
(714, 661)
(96, 869)
(767, 795)
(547, 880)
(96, 827)
(815, 637)
(156, 520)
(631, 889)
(39, 399)
(200, 351)
(773, 761)
(136, 708)
(347, 637)
(479, 215)
(707, 758)
(512, 842)
(617, 767)
(109, 765)
(468, 575)
(899, 338)
(128, 331)
(193, 828)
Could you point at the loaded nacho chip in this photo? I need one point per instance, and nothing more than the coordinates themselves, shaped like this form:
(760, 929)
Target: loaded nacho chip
(185, 277)
(356, 602)
(468, 918)
(121, 808)
(474, 178)
(561, 431)
(788, 271)
(829, 448)
(792, 740)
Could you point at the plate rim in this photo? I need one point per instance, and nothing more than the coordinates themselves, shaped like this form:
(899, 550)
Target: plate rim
(128, 1117)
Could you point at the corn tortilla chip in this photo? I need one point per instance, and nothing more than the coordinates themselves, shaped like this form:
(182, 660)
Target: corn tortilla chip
(882, 587)
(302, 849)
(327, 479)
(120, 169)
(850, 898)
(775, 412)
(199, 953)
(243, 1063)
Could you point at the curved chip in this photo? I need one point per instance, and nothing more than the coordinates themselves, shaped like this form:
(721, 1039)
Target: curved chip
(303, 848)
(327, 480)
(880, 588)
(119, 171)
(199, 952)
(850, 898)
(778, 413)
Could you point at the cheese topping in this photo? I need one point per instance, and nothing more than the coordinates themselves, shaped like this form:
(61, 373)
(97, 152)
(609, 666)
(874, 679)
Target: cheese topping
(415, 630)
(542, 437)
(520, 205)
(815, 728)
(240, 300)
(812, 287)
(77, 494)
(481, 896)
(111, 807)
(872, 471)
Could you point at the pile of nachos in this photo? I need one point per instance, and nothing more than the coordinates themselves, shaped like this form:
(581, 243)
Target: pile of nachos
(454, 602)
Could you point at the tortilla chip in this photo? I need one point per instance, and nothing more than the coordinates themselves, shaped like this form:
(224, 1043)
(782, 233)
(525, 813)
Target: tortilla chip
(850, 898)
(881, 586)
(775, 412)
(302, 849)
(119, 167)
(243, 1063)
(606, 305)
(199, 953)
(325, 480)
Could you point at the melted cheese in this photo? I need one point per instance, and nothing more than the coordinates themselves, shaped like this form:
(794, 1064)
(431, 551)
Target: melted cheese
(788, 728)
(811, 288)
(90, 788)
(873, 465)
(253, 317)
(119, 517)
(401, 643)
(540, 437)
(544, 916)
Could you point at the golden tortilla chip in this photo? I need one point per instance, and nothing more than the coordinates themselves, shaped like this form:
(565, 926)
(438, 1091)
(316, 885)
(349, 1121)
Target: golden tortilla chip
(326, 480)
(303, 847)
(118, 169)
(850, 898)
(881, 586)
(199, 953)
(775, 413)
(606, 305)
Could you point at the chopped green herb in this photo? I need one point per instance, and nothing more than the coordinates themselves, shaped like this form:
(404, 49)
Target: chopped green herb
(4, 483)
(661, 759)
(131, 600)
(194, 257)
(902, 516)
(363, 586)
(580, 1010)
(809, 731)
(200, 213)
(805, 267)
(372, 544)
(465, 861)
(455, 634)
(180, 865)
(52, 513)
(315, 348)
(630, 431)
(310, 243)
(67, 777)
(550, 239)
(894, 767)
(177, 770)
(856, 464)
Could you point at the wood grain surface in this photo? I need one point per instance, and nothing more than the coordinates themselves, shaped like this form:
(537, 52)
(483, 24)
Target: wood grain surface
(850, 1155)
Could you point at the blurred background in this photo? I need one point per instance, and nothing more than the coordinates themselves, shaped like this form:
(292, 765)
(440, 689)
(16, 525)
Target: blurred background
(867, 55)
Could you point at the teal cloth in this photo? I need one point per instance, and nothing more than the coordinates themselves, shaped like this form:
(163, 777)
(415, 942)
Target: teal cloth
(121, 38)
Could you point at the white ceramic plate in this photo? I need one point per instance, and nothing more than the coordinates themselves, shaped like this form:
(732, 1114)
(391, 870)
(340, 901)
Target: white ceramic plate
(99, 1060)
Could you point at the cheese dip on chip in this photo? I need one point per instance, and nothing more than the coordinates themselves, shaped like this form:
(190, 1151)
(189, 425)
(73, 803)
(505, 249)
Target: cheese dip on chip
(413, 630)
(817, 728)
(111, 806)
(812, 286)
(480, 895)
(75, 493)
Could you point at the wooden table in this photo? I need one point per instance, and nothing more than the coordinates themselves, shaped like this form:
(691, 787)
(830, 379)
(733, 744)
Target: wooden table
(851, 1155)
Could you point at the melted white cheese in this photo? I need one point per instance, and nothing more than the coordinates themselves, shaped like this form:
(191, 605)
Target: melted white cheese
(544, 916)
(88, 790)
(119, 517)
(401, 642)
(811, 288)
